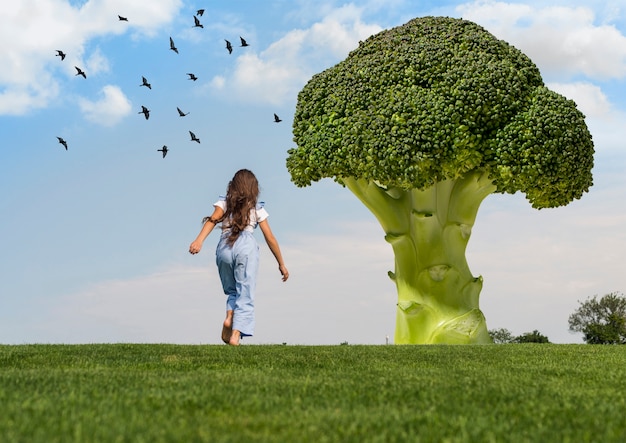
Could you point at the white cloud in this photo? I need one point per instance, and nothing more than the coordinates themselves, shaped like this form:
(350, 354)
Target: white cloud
(265, 79)
(218, 82)
(603, 118)
(589, 98)
(167, 306)
(109, 109)
(278, 73)
(144, 18)
(560, 40)
(536, 266)
(97, 62)
(325, 301)
(21, 98)
(33, 31)
(566, 43)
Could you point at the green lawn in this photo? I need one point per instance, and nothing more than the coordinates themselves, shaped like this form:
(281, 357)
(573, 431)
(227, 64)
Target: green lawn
(181, 393)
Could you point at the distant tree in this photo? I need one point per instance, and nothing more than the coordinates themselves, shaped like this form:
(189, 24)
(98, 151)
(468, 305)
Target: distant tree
(613, 332)
(501, 335)
(531, 337)
(602, 321)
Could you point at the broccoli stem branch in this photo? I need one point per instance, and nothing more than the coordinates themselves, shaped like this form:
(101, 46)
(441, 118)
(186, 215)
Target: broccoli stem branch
(429, 230)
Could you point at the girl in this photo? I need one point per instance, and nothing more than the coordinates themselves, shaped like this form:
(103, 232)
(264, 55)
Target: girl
(237, 254)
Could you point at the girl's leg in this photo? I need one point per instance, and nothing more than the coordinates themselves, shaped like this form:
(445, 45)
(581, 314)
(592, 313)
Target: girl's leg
(227, 328)
(246, 265)
(234, 338)
(225, 262)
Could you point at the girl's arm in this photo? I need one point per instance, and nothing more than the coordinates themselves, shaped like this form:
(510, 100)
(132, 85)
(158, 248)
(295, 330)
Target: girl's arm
(273, 245)
(208, 226)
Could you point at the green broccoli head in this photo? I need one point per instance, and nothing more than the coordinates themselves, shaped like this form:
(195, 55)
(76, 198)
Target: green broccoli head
(432, 100)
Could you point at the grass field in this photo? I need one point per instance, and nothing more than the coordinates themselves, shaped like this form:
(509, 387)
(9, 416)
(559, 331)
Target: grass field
(182, 393)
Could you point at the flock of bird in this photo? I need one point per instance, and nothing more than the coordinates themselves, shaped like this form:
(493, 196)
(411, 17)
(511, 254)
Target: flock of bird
(144, 81)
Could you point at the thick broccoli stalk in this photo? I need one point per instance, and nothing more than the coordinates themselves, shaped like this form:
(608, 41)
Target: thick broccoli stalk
(428, 231)
(422, 122)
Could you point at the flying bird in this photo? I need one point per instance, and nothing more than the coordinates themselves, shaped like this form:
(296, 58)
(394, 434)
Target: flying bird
(243, 42)
(229, 47)
(163, 150)
(193, 137)
(144, 82)
(277, 119)
(192, 76)
(197, 23)
(172, 47)
(80, 72)
(181, 113)
(200, 12)
(63, 142)
(60, 54)
(145, 111)
(122, 19)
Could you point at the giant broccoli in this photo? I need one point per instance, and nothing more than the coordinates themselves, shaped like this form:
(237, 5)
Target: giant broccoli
(422, 122)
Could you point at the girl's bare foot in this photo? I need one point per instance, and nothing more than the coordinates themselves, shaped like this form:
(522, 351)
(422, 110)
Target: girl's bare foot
(227, 329)
(234, 338)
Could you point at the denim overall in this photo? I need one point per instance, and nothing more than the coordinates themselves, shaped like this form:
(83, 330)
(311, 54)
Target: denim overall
(237, 266)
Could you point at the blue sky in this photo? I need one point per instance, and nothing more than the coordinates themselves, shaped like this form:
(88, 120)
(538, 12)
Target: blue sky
(93, 240)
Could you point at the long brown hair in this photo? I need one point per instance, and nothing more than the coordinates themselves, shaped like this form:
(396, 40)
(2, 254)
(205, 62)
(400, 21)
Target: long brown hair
(241, 197)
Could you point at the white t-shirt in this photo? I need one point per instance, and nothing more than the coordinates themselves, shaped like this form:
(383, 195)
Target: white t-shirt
(256, 215)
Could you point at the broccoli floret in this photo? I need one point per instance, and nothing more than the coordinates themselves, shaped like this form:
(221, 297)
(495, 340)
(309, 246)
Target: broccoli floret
(422, 122)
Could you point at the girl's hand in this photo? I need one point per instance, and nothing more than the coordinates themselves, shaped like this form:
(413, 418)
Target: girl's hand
(284, 272)
(195, 247)
(207, 227)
